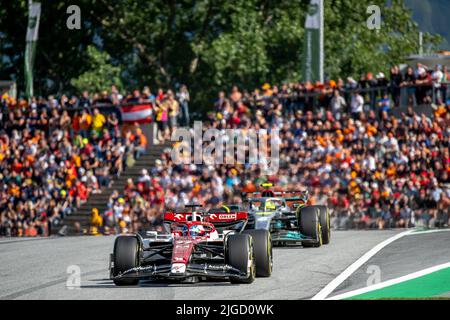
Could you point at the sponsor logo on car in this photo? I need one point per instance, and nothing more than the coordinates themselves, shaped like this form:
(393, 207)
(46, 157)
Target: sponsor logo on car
(178, 268)
(215, 267)
(227, 216)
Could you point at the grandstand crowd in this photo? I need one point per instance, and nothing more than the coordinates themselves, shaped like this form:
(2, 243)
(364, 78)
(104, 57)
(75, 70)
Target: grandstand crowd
(348, 142)
(50, 163)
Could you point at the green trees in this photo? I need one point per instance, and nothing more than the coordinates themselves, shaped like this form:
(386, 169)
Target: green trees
(100, 76)
(60, 53)
(207, 44)
(351, 48)
(262, 42)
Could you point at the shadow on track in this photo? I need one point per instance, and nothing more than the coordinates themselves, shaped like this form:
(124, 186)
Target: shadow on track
(158, 284)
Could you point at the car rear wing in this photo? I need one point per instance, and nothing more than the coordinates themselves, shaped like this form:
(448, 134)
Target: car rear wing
(221, 220)
(211, 216)
(226, 216)
(261, 194)
(228, 220)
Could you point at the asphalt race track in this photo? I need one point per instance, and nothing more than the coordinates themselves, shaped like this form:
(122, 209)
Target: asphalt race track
(38, 268)
(427, 250)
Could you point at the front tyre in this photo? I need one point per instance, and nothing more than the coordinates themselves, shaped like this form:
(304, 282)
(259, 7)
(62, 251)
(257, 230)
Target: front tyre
(240, 255)
(324, 218)
(126, 256)
(309, 226)
(262, 243)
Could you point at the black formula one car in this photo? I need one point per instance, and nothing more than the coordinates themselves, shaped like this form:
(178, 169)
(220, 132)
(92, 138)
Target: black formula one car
(197, 246)
(289, 219)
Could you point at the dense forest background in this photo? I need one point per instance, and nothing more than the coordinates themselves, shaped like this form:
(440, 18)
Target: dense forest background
(207, 44)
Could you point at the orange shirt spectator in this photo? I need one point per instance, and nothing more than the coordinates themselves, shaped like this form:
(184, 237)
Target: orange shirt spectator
(85, 121)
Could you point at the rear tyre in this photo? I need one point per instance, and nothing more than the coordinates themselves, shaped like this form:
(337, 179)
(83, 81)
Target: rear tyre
(126, 256)
(262, 243)
(324, 219)
(240, 255)
(309, 226)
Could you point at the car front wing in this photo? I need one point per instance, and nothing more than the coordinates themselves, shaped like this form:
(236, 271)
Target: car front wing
(164, 271)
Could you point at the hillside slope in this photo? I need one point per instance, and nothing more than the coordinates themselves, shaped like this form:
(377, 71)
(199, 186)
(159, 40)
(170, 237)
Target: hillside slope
(432, 16)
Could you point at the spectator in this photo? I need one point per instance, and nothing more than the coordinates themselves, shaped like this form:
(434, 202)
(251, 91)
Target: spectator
(174, 110)
(147, 95)
(85, 101)
(140, 143)
(337, 104)
(382, 83)
(437, 77)
(104, 98)
(357, 104)
(136, 98)
(219, 105)
(115, 96)
(395, 84)
(112, 122)
(96, 222)
(98, 121)
(184, 99)
(423, 83)
(372, 84)
(85, 123)
(384, 105)
(162, 110)
(409, 83)
(444, 84)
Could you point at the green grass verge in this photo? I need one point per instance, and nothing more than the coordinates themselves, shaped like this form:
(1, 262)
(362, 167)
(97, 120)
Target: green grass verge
(429, 286)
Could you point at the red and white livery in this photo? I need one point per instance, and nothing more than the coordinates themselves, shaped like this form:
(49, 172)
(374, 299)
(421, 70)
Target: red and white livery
(196, 245)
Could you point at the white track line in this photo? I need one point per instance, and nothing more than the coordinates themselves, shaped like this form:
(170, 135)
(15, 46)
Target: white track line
(329, 288)
(391, 282)
(428, 231)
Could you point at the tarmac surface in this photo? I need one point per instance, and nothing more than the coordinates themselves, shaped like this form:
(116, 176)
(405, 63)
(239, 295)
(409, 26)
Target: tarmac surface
(410, 254)
(47, 268)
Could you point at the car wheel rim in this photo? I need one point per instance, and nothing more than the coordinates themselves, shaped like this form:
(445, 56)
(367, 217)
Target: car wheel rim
(269, 241)
(328, 224)
(252, 261)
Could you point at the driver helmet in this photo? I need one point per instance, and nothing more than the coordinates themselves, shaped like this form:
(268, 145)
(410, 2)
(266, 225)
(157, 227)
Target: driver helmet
(184, 230)
(196, 230)
(270, 205)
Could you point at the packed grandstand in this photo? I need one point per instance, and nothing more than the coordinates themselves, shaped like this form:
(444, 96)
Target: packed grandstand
(351, 143)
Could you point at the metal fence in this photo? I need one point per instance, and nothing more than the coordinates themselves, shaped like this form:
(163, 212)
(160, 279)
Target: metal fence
(401, 96)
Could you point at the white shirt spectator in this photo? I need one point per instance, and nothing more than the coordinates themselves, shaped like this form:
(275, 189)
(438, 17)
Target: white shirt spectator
(357, 103)
(337, 104)
(436, 194)
(118, 209)
(437, 77)
(144, 178)
(183, 96)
